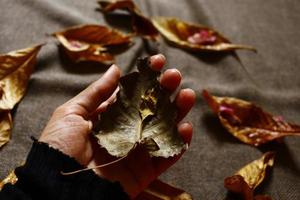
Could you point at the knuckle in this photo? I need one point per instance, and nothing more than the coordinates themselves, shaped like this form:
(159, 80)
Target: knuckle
(60, 110)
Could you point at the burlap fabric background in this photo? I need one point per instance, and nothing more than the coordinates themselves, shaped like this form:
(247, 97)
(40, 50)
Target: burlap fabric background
(272, 81)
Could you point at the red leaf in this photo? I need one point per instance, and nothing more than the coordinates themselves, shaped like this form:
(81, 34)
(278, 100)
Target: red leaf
(248, 122)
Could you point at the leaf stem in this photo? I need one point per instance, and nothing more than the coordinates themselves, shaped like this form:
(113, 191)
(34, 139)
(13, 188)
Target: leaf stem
(91, 168)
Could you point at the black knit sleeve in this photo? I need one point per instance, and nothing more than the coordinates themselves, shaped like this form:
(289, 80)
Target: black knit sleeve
(40, 178)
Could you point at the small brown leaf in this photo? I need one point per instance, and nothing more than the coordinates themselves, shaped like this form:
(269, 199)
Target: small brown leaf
(142, 114)
(11, 178)
(111, 5)
(158, 190)
(250, 176)
(194, 37)
(141, 24)
(91, 42)
(16, 68)
(248, 122)
(5, 127)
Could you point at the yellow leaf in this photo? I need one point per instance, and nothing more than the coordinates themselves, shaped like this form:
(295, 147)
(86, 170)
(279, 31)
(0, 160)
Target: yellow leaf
(255, 172)
(159, 190)
(11, 178)
(15, 70)
(194, 37)
(5, 127)
(250, 176)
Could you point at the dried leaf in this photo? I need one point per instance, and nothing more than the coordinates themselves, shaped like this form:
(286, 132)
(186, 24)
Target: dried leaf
(91, 42)
(159, 190)
(250, 176)
(255, 172)
(16, 68)
(111, 5)
(194, 37)
(11, 178)
(248, 122)
(141, 24)
(5, 127)
(142, 114)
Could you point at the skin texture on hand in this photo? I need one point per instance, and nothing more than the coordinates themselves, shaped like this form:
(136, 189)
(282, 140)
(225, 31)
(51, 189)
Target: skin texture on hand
(69, 130)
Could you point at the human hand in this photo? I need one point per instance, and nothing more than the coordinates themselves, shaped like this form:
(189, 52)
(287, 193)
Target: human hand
(71, 124)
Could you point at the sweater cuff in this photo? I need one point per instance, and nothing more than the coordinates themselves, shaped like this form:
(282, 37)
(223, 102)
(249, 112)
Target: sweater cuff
(41, 176)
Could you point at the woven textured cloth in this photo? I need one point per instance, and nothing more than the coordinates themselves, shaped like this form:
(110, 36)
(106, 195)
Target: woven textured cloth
(269, 78)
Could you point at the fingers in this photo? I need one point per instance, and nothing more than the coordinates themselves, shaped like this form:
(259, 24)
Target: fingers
(170, 79)
(186, 132)
(184, 101)
(157, 62)
(99, 91)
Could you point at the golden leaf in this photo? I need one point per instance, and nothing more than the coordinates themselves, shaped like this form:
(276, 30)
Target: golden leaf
(11, 178)
(91, 42)
(142, 114)
(159, 190)
(250, 176)
(140, 24)
(194, 36)
(15, 69)
(5, 127)
(255, 172)
(248, 122)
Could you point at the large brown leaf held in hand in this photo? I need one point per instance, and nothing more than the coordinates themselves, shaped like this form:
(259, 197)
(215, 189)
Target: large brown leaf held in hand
(5, 127)
(248, 122)
(142, 115)
(159, 190)
(140, 24)
(250, 176)
(11, 178)
(16, 68)
(194, 36)
(91, 42)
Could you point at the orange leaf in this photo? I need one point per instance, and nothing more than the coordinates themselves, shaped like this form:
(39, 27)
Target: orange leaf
(91, 42)
(194, 36)
(159, 190)
(141, 24)
(250, 176)
(11, 178)
(15, 70)
(110, 5)
(248, 122)
(5, 127)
